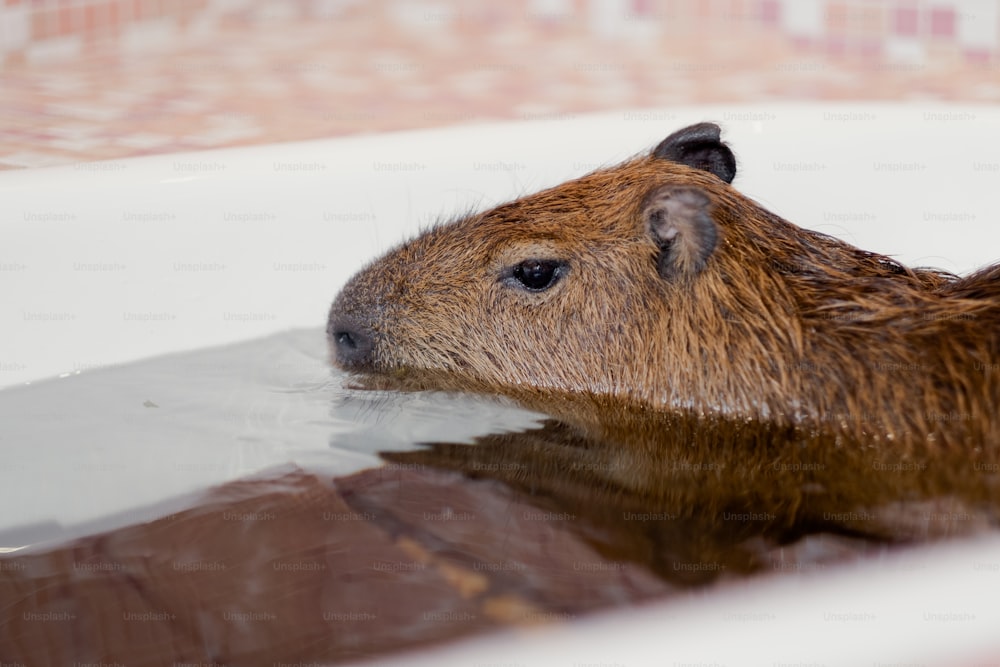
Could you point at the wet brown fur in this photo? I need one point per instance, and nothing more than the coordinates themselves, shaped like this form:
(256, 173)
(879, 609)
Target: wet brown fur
(783, 324)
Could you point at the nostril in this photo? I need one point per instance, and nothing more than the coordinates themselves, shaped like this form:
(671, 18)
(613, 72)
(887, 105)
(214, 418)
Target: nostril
(354, 342)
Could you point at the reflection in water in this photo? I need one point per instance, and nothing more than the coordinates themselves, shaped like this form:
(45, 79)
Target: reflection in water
(599, 505)
(698, 498)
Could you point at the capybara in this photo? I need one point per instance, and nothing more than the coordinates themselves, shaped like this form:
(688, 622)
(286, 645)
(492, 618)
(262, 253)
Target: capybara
(658, 283)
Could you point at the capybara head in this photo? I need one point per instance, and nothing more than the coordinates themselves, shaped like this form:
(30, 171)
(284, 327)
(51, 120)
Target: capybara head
(657, 282)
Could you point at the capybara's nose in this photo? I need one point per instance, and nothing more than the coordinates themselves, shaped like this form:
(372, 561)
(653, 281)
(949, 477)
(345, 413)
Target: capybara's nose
(355, 342)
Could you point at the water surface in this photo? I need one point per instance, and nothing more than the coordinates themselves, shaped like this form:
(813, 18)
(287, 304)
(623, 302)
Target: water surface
(105, 447)
(245, 505)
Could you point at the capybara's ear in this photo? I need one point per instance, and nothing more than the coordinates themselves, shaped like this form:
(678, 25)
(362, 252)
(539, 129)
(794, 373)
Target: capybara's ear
(701, 147)
(679, 220)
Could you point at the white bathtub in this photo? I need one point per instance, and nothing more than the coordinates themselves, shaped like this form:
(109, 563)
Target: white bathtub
(107, 263)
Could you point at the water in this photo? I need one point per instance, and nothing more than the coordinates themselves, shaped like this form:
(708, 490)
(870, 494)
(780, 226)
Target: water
(108, 447)
(244, 505)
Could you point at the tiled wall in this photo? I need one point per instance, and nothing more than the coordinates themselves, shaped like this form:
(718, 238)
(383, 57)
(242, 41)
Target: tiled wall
(34, 30)
(899, 30)
(99, 79)
(42, 30)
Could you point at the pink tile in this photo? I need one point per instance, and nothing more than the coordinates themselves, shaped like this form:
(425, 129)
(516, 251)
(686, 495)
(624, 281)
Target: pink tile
(642, 7)
(942, 22)
(905, 20)
(68, 20)
(42, 25)
(91, 19)
(769, 12)
(835, 45)
(836, 17)
(870, 49)
(978, 56)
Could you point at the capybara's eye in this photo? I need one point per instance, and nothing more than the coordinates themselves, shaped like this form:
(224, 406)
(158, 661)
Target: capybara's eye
(537, 275)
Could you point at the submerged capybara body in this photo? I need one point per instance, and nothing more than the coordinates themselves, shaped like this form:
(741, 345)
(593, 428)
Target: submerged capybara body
(658, 283)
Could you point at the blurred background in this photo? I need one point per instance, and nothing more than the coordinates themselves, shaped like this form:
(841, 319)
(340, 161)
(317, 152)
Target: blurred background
(84, 80)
